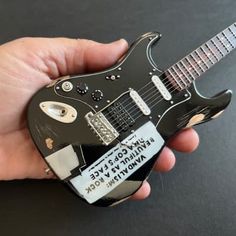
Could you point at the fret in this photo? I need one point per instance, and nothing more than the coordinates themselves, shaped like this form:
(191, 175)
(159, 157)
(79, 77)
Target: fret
(228, 36)
(218, 45)
(184, 75)
(188, 60)
(232, 28)
(184, 71)
(172, 76)
(233, 33)
(180, 77)
(197, 62)
(177, 73)
(208, 55)
(201, 58)
(218, 53)
(212, 51)
(221, 39)
(188, 68)
(228, 44)
(212, 59)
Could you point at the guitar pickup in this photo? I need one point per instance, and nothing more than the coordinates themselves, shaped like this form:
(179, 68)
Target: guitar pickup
(101, 127)
(140, 102)
(161, 88)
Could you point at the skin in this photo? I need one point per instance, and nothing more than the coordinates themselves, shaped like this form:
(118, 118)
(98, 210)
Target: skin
(28, 64)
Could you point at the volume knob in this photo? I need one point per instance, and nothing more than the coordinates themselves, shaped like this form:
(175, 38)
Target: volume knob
(97, 95)
(82, 88)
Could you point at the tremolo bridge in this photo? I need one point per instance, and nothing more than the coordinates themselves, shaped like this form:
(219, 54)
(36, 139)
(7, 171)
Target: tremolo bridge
(102, 127)
(110, 122)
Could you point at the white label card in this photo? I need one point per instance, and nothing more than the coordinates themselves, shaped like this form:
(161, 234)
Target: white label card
(118, 163)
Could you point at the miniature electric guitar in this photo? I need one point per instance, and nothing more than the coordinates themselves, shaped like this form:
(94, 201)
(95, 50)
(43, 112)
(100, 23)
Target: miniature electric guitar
(101, 133)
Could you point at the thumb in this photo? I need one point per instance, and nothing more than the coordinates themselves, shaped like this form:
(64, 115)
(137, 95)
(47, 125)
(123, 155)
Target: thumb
(97, 56)
(62, 56)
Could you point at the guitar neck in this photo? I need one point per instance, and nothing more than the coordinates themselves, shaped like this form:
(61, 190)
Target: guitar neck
(185, 71)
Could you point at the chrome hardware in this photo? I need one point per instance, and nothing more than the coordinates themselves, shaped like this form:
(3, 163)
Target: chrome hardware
(59, 111)
(67, 86)
(101, 127)
(113, 77)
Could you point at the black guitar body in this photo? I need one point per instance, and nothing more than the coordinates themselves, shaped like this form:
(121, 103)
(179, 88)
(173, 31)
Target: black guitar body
(60, 114)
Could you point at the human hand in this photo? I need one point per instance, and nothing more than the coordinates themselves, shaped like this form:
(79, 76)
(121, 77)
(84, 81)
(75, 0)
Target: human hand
(26, 65)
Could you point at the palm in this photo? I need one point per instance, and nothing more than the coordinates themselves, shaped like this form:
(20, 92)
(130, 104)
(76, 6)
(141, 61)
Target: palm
(18, 83)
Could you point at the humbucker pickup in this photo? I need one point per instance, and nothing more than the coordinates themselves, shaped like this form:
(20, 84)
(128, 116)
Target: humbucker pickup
(101, 127)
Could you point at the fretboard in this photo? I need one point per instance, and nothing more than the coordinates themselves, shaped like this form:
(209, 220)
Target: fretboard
(185, 71)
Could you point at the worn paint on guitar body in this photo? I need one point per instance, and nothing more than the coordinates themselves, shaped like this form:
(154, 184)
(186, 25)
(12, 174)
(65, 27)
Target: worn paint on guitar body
(134, 71)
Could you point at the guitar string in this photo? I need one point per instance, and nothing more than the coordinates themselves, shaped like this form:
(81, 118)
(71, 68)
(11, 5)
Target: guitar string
(192, 66)
(215, 53)
(218, 53)
(136, 117)
(137, 113)
(195, 71)
(153, 102)
(220, 35)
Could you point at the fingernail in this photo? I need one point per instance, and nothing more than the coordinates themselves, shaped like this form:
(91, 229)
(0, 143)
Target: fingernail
(121, 42)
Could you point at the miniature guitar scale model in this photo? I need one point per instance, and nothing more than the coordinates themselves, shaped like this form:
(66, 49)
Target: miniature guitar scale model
(101, 133)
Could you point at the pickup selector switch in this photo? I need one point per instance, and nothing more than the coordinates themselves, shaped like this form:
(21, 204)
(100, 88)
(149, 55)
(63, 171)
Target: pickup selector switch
(82, 88)
(97, 95)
